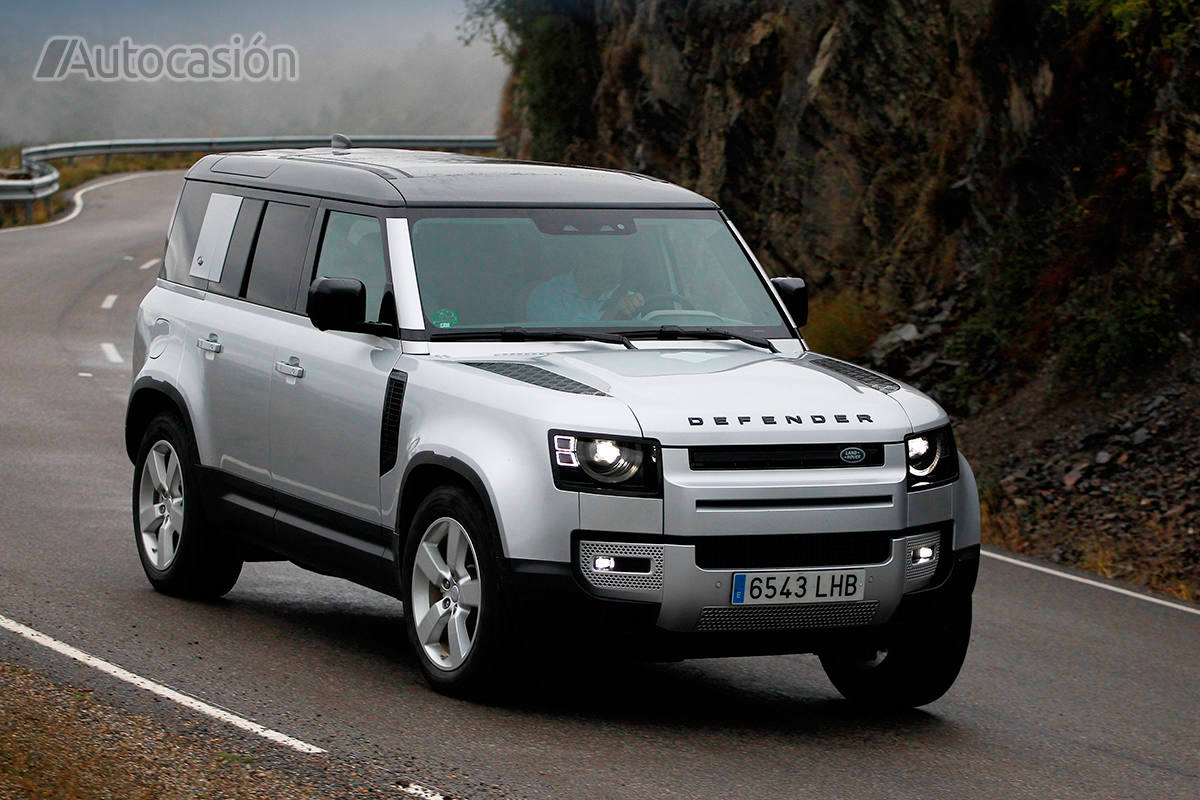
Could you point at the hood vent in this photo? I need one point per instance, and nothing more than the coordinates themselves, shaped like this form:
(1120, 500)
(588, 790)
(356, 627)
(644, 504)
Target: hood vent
(869, 379)
(528, 373)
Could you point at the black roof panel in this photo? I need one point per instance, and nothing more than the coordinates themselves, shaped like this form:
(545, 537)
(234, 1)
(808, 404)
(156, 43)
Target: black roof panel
(430, 179)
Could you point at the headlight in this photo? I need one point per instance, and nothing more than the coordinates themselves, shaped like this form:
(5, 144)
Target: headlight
(932, 458)
(587, 463)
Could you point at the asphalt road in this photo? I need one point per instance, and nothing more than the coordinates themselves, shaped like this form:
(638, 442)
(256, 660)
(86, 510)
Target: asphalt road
(1068, 691)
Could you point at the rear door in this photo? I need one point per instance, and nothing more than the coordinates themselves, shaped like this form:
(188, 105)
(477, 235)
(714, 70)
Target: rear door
(327, 396)
(248, 297)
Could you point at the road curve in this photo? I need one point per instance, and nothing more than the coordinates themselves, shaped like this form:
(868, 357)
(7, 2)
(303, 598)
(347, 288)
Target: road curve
(1068, 691)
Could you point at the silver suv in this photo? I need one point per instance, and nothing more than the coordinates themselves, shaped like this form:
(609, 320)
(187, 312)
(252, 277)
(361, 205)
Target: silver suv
(511, 393)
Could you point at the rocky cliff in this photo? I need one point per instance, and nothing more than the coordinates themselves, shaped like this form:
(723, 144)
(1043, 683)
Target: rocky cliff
(997, 199)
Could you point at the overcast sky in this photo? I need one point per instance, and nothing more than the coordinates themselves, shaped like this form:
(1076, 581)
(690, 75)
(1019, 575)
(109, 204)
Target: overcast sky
(365, 66)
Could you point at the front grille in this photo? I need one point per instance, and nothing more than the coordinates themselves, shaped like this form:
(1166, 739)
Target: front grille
(793, 550)
(611, 579)
(786, 617)
(786, 456)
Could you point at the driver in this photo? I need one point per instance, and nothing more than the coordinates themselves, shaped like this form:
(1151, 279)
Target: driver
(589, 292)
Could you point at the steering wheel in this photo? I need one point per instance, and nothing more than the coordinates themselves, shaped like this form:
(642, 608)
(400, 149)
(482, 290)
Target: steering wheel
(668, 297)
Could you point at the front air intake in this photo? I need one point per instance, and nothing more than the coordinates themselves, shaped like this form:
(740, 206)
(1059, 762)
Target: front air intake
(803, 616)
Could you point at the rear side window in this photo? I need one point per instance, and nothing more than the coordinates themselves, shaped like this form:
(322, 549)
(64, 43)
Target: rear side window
(232, 281)
(185, 231)
(279, 255)
(352, 247)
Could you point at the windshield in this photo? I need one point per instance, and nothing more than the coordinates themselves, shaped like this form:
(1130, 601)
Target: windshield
(481, 269)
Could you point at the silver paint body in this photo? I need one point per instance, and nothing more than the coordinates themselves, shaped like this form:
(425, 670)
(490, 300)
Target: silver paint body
(317, 437)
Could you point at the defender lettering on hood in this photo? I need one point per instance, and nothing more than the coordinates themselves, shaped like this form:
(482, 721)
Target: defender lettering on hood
(787, 419)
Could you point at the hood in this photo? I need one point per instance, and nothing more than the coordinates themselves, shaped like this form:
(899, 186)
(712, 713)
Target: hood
(703, 395)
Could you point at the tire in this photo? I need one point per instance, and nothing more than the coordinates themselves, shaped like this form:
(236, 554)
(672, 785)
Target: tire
(920, 663)
(181, 553)
(457, 632)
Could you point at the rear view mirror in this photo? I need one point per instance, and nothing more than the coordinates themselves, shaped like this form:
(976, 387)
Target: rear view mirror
(794, 294)
(337, 304)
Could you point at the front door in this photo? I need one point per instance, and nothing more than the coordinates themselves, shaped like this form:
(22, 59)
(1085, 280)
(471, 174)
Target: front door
(327, 395)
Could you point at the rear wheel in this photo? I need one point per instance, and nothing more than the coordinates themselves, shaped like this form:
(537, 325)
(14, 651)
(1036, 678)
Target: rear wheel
(180, 552)
(453, 612)
(919, 663)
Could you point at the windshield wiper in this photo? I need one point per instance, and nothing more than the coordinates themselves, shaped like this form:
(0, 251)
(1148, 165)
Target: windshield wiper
(514, 334)
(668, 332)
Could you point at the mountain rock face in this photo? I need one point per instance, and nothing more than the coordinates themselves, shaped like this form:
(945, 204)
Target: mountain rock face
(1003, 196)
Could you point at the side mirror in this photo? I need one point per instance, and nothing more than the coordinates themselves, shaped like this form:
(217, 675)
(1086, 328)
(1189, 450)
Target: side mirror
(337, 304)
(794, 293)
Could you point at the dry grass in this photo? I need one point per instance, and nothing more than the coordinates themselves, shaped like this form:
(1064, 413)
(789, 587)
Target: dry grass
(1150, 559)
(81, 170)
(66, 743)
(842, 325)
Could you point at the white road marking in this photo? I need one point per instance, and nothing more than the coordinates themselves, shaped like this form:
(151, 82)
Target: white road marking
(110, 352)
(109, 302)
(1089, 582)
(417, 790)
(150, 263)
(127, 258)
(85, 374)
(157, 688)
(77, 201)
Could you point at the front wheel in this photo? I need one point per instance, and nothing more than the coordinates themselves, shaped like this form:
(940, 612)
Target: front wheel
(453, 612)
(919, 663)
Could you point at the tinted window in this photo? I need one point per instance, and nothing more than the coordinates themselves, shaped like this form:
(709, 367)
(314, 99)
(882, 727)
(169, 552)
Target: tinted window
(184, 231)
(587, 268)
(241, 243)
(279, 256)
(352, 247)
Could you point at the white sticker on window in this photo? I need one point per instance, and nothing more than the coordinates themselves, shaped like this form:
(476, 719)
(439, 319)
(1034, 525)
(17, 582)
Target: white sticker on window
(209, 259)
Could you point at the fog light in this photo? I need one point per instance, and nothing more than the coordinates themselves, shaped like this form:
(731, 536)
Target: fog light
(922, 555)
(604, 564)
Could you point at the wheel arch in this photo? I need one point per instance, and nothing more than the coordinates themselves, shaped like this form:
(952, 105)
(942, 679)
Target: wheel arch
(428, 470)
(149, 398)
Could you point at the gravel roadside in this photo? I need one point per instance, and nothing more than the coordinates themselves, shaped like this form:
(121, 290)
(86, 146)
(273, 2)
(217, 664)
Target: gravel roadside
(67, 742)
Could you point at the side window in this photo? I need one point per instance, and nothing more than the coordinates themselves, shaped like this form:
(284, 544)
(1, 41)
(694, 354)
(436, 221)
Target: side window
(278, 256)
(232, 281)
(185, 231)
(352, 247)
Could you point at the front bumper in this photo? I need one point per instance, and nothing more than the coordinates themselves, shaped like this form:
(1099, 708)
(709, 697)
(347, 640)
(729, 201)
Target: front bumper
(693, 616)
(695, 597)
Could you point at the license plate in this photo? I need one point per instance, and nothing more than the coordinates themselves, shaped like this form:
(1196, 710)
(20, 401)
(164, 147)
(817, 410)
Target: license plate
(823, 586)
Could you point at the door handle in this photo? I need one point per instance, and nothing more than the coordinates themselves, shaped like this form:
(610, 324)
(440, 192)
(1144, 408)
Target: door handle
(291, 368)
(210, 344)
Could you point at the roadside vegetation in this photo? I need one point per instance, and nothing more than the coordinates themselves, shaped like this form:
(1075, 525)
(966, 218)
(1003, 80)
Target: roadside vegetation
(60, 742)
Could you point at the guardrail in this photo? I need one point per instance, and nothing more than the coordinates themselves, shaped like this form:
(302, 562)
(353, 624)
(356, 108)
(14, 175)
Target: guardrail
(43, 177)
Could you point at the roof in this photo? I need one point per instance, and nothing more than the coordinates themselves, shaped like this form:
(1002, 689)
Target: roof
(420, 178)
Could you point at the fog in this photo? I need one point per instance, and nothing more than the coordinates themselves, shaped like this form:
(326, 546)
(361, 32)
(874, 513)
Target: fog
(375, 66)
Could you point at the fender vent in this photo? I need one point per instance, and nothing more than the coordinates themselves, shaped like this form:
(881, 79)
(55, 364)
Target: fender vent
(870, 379)
(389, 437)
(528, 373)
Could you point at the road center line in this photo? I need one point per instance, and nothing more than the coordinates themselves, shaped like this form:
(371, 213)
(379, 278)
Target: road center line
(150, 263)
(77, 202)
(109, 301)
(1089, 582)
(157, 688)
(110, 352)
